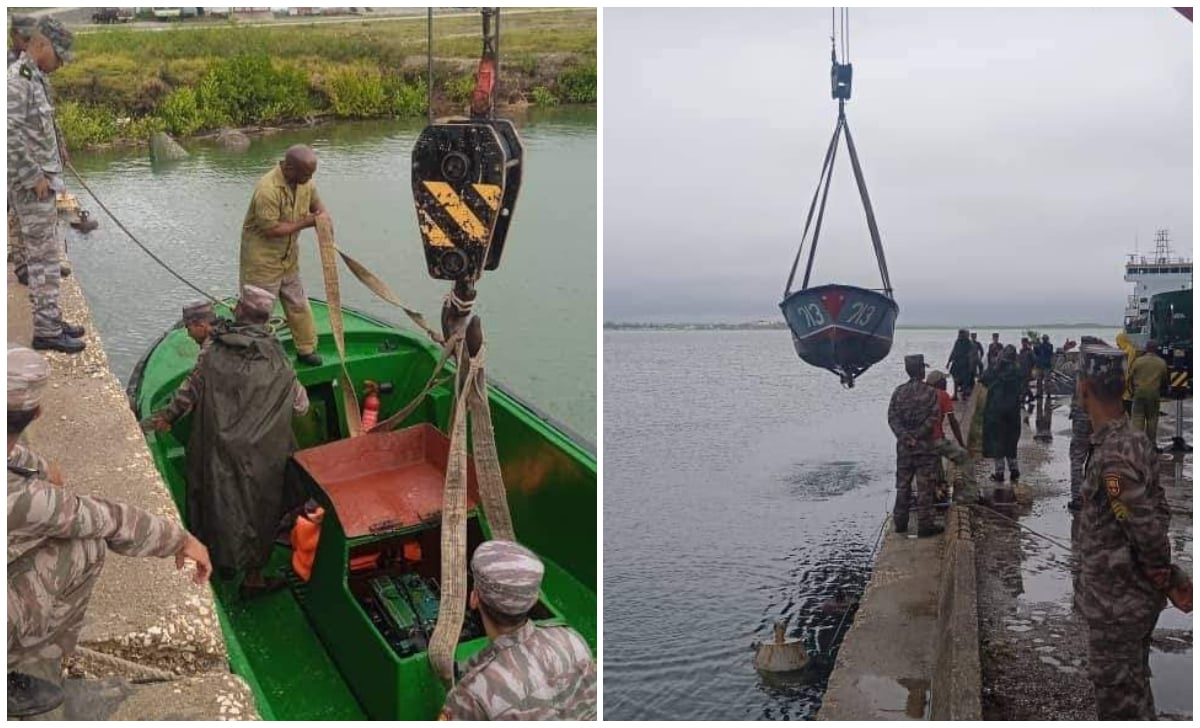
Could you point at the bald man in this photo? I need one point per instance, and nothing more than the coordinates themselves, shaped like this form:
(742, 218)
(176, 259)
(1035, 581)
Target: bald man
(285, 201)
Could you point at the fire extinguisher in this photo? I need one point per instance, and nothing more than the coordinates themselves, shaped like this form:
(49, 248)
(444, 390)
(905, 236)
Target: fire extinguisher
(370, 413)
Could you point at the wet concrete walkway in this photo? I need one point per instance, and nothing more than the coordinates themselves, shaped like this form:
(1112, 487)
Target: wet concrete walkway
(142, 609)
(1033, 647)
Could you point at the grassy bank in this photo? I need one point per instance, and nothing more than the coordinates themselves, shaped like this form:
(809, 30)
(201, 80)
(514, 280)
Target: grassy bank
(126, 84)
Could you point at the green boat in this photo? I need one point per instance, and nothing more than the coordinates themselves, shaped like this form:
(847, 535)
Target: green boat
(349, 643)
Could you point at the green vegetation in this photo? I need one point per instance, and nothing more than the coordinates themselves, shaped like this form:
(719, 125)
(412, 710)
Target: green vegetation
(125, 84)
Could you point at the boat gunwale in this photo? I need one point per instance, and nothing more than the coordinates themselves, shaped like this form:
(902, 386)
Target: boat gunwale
(569, 433)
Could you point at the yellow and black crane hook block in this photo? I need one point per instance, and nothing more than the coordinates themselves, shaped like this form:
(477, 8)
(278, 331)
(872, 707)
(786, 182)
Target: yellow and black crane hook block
(466, 175)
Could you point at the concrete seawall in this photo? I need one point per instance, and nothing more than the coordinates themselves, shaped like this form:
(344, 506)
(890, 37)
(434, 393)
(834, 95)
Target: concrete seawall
(142, 610)
(912, 652)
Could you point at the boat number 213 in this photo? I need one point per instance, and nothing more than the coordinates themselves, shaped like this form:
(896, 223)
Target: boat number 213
(860, 314)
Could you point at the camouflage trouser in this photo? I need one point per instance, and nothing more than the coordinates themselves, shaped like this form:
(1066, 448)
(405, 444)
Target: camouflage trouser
(39, 232)
(290, 291)
(1145, 414)
(48, 593)
(925, 469)
(1119, 666)
(1081, 442)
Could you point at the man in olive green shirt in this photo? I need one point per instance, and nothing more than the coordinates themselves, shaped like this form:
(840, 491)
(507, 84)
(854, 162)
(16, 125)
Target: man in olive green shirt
(285, 201)
(1146, 377)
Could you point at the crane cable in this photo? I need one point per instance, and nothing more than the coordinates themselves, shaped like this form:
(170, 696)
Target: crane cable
(135, 240)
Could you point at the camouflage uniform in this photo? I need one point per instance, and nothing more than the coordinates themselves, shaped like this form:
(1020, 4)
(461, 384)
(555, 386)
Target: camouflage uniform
(34, 153)
(57, 541)
(24, 26)
(1081, 434)
(185, 396)
(1125, 562)
(534, 672)
(912, 414)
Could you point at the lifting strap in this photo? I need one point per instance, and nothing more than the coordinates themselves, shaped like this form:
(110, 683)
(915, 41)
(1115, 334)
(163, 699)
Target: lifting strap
(822, 193)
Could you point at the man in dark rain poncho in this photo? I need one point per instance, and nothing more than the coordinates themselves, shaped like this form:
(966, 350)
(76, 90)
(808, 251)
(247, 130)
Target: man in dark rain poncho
(962, 365)
(1002, 413)
(246, 396)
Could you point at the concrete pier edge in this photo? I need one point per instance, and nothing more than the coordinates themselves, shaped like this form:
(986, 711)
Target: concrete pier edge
(915, 626)
(142, 610)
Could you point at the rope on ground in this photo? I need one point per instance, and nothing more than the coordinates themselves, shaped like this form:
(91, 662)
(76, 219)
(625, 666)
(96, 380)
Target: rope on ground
(1042, 536)
(132, 670)
(135, 240)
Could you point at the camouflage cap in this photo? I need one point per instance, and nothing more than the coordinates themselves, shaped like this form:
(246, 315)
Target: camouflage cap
(936, 376)
(257, 300)
(914, 360)
(28, 374)
(507, 576)
(197, 312)
(59, 37)
(23, 25)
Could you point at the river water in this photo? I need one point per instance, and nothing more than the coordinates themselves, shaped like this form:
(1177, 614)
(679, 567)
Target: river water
(741, 487)
(539, 308)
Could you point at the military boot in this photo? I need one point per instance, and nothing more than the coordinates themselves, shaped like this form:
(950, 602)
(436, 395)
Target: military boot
(312, 359)
(75, 332)
(29, 695)
(901, 523)
(62, 342)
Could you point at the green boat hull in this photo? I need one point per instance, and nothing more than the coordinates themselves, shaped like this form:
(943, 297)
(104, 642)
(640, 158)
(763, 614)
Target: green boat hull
(336, 666)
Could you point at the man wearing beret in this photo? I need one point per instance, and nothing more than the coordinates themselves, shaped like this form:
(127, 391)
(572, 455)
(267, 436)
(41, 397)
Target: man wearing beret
(244, 394)
(529, 671)
(1126, 575)
(57, 543)
(913, 414)
(199, 319)
(35, 170)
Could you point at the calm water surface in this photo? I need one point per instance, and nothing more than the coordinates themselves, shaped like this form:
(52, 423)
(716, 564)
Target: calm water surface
(741, 487)
(539, 308)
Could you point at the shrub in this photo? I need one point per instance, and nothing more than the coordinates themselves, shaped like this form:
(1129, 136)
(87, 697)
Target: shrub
(84, 126)
(180, 113)
(577, 84)
(459, 89)
(541, 96)
(249, 89)
(356, 92)
(408, 98)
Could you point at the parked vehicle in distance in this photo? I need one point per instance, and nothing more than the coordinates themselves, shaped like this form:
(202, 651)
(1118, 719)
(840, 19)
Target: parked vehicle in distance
(112, 15)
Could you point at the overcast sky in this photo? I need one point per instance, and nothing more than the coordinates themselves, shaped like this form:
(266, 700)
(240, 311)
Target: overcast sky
(1012, 157)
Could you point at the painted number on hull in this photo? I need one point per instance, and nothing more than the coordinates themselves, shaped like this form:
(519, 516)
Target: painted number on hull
(812, 315)
(860, 314)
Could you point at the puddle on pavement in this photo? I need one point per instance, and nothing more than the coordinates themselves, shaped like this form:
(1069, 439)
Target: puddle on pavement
(1172, 682)
(890, 697)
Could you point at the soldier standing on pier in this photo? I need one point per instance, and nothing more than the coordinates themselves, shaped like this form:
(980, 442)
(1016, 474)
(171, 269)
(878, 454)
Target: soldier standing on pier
(912, 415)
(1125, 555)
(1081, 436)
(35, 168)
